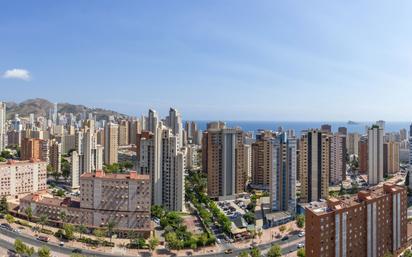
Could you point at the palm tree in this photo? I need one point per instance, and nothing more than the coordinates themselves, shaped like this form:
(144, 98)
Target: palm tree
(29, 213)
(81, 229)
(153, 243)
(62, 216)
(110, 227)
(43, 220)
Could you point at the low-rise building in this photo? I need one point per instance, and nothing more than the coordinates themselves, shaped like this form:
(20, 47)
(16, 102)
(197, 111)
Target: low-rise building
(120, 198)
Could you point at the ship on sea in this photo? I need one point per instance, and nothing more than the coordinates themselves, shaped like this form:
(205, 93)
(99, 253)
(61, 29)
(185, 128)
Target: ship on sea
(352, 123)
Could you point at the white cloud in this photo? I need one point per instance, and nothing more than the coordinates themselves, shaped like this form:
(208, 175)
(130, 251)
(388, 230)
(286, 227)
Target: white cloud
(17, 74)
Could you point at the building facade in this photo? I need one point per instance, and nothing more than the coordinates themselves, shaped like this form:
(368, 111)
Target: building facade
(224, 152)
(314, 157)
(22, 177)
(375, 154)
(120, 198)
(371, 224)
(283, 174)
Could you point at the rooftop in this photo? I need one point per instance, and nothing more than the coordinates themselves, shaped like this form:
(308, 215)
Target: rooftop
(120, 176)
(333, 204)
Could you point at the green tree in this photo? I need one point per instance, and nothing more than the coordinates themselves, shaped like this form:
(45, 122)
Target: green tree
(81, 229)
(65, 168)
(300, 221)
(153, 243)
(275, 251)
(43, 219)
(99, 234)
(60, 193)
(157, 211)
(255, 252)
(29, 213)
(44, 251)
(301, 252)
(30, 251)
(243, 254)
(10, 219)
(68, 231)
(20, 247)
(62, 216)
(407, 253)
(110, 228)
(388, 254)
(282, 228)
(4, 207)
(249, 217)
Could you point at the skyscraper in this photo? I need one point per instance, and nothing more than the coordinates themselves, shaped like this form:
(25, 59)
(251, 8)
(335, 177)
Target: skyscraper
(55, 155)
(2, 125)
(75, 170)
(124, 132)
(262, 160)
(390, 158)
(314, 157)
(174, 121)
(283, 174)
(111, 143)
(172, 172)
(363, 155)
(224, 150)
(338, 158)
(375, 154)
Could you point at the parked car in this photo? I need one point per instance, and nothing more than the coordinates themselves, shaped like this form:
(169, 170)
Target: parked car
(285, 238)
(43, 238)
(301, 245)
(228, 251)
(77, 250)
(6, 226)
(301, 234)
(61, 244)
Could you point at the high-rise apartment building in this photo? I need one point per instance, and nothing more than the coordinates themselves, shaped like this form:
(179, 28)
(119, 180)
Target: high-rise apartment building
(224, 150)
(55, 154)
(314, 157)
(338, 158)
(326, 128)
(375, 154)
(390, 158)
(262, 160)
(75, 170)
(371, 224)
(111, 140)
(174, 122)
(123, 132)
(33, 148)
(283, 174)
(172, 172)
(352, 143)
(363, 155)
(2, 125)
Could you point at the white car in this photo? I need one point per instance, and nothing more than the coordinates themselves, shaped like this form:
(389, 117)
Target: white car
(301, 234)
(301, 245)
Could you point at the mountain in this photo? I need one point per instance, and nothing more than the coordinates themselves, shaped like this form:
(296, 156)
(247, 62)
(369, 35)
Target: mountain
(41, 107)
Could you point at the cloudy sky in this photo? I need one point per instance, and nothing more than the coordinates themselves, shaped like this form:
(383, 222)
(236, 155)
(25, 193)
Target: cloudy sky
(213, 59)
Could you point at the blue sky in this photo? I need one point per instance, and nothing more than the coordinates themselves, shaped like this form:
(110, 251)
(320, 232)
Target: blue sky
(222, 59)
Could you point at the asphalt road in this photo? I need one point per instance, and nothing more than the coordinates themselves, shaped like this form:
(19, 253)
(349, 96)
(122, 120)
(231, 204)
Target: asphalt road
(53, 247)
(67, 250)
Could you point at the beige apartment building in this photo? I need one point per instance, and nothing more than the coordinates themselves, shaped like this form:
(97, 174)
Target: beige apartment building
(338, 158)
(111, 140)
(262, 161)
(371, 224)
(22, 177)
(314, 158)
(124, 132)
(224, 153)
(121, 198)
(391, 158)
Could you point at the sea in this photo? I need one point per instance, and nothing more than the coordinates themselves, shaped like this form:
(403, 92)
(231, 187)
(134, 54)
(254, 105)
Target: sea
(298, 126)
